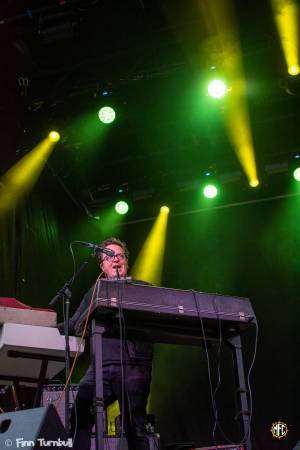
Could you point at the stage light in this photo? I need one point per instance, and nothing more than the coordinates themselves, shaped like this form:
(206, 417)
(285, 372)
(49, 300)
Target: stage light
(294, 70)
(296, 174)
(107, 114)
(149, 263)
(254, 183)
(217, 89)
(54, 136)
(20, 179)
(121, 207)
(210, 191)
(165, 209)
(223, 39)
(286, 15)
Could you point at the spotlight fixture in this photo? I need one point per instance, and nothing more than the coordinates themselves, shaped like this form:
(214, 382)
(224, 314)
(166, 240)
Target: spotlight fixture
(54, 136)
(217, 89)
(107, 114)
(296, 174)
(254, 183)
(165, 209)
(210, 191)
(121, 207)
(294, 70)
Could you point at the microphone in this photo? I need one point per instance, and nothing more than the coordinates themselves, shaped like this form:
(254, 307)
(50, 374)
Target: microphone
(98, 248)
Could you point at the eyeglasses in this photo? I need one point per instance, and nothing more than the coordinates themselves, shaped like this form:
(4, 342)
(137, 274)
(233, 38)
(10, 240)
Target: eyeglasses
(120, 256)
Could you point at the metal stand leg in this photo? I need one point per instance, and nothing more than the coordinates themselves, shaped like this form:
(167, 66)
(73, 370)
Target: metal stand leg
(235, 344)
(96, 355)
(15, 390)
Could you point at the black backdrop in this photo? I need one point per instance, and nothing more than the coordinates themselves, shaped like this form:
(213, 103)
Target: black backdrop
(248, 250)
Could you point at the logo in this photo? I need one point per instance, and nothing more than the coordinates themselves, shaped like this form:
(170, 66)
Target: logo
(279, 430)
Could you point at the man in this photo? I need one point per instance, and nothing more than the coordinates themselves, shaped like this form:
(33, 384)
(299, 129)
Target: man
(130, 389)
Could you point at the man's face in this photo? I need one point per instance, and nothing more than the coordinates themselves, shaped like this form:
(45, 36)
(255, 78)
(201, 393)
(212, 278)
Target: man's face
(114, 266)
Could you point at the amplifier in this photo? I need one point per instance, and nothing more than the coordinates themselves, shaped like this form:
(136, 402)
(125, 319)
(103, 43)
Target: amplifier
(54, 393)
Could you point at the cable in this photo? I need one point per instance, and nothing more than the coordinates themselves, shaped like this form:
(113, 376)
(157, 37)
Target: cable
(77, 353)
(247, 433)
(217, 423)
(125, 406)
(122, 327)
(218, 365)
(207, 359)
(213, 393)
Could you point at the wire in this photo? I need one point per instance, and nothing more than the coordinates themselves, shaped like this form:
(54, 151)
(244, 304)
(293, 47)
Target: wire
(218, 366)
(217, 423)
(247, 434)
(74, 263)
(122, 336)
(207, 359)
(77, 354)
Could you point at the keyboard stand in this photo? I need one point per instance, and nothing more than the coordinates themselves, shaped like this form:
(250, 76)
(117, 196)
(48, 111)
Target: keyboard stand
(40, 379)
(97, 330)
(235, 344)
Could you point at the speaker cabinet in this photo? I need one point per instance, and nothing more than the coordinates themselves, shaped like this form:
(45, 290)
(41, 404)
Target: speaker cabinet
(34, 426)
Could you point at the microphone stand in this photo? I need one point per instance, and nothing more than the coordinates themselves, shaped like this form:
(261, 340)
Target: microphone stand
(65, 295)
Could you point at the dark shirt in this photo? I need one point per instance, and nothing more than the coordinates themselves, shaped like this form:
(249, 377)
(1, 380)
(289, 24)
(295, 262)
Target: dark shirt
(135, 352)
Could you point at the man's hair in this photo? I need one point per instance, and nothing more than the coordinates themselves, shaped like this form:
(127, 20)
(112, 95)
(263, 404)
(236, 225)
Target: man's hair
(114, 241)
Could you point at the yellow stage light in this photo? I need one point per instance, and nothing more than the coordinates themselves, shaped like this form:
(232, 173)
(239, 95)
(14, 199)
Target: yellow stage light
(165, 209)
(20, 179)
(294, 70)
(149, 263)
(54, 136)
(286, 18)
(254, 183)
(223, 45)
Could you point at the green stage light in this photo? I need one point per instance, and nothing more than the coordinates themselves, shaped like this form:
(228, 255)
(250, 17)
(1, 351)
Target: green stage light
(296, 174)
(107, 114)
(121, 207)
(217, 89)
(210, 191)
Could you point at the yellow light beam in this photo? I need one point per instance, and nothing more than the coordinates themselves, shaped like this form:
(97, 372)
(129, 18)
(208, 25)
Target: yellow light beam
(149, 263)
(286, 17)
(20, 179)
(224, 48)
(237, 122)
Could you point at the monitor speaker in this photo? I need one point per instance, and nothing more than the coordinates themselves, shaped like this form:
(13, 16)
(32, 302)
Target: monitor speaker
(31, 428)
